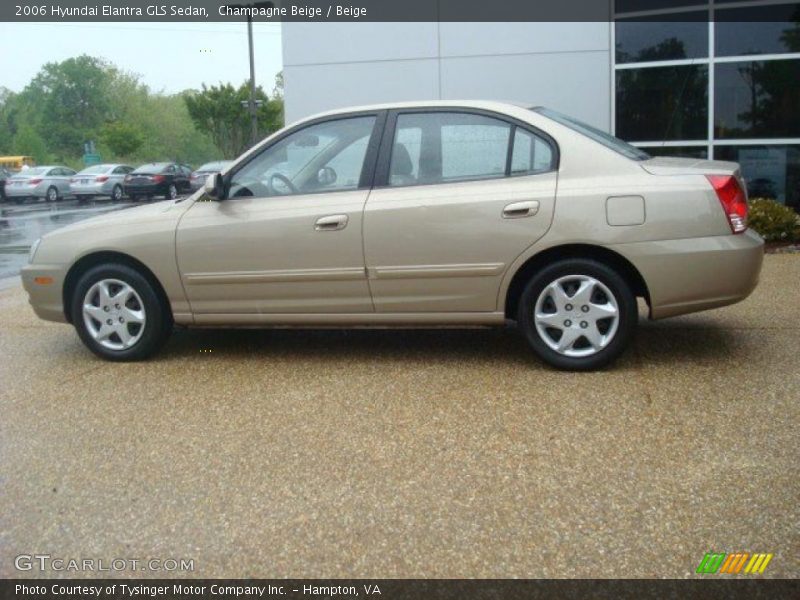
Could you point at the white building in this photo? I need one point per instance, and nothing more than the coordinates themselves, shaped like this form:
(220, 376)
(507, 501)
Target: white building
(725, 88)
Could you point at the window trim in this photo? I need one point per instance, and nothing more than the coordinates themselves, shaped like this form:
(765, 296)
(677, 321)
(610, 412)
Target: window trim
(382, 168)
(367, 167)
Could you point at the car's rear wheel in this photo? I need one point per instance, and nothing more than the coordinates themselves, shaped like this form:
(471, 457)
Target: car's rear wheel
(578, 314)
(52, 194)
(172, 192)
(118, 313)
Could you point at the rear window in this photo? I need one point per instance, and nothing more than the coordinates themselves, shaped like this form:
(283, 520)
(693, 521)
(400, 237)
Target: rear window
(601, 137)
(212, 166)
(94, 170)
(34, 171)
(151, 169)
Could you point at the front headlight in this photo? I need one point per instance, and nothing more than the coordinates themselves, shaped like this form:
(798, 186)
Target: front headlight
(34, 248)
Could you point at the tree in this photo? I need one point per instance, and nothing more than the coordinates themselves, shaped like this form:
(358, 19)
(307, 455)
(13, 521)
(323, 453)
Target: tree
(28, 142)
(121, 138)
(73, 101)
(218, 111)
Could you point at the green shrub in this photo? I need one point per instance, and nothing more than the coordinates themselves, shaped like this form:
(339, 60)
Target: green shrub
(775, 222)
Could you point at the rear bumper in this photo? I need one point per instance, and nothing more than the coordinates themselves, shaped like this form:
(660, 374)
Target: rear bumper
(689, 275)
(145, 190)
(96, 189)
(25, 191)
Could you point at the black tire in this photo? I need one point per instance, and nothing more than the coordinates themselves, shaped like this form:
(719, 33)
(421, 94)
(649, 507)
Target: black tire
(116, 193)
(172, 192)
(51, 195)
(158, 323)
(628, 315)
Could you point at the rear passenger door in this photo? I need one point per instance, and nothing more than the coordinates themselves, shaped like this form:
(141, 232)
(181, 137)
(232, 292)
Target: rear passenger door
(459, 195)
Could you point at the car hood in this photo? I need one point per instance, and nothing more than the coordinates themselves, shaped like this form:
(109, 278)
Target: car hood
(667, 165)
(122, 219)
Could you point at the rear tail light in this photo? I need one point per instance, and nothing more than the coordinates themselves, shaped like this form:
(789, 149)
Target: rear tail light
(733, 200)
(101, 179)
(194, 176)
(128, 177)
(34, 181)
(158, 178)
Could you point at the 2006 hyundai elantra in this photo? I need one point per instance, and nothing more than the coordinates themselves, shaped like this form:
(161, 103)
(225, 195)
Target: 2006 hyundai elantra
(423, 214)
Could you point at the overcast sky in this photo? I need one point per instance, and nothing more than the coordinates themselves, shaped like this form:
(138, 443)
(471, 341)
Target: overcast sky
(169, 57)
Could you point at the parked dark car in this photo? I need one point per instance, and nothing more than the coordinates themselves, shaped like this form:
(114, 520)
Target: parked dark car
(198, 177)
(4, 176)
(157, 179)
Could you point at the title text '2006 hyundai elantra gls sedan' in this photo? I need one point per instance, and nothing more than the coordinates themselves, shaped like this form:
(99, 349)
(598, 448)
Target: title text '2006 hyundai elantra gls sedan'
(414, 214)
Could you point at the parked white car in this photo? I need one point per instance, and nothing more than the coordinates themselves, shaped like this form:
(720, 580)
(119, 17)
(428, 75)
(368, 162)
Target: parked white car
(99, 180)
(50, 183)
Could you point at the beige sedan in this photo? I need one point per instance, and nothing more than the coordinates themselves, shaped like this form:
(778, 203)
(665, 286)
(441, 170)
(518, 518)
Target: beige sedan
(423, 214)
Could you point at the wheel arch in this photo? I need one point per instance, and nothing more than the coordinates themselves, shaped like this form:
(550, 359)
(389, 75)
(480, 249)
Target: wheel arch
(102, 257)
(622, 265)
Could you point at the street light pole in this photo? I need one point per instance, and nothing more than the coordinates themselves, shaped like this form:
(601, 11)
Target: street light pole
(253, 106)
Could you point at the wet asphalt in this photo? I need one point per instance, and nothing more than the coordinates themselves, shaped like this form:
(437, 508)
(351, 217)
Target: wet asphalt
(434, 453)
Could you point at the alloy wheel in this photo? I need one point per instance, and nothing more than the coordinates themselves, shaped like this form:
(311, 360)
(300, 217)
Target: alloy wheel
(576, 315)
(114, 314)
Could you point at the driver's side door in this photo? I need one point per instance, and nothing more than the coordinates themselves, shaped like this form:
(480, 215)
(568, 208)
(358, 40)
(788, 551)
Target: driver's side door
(288, 237)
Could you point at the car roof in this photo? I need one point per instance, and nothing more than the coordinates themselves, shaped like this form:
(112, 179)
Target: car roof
(492, 105)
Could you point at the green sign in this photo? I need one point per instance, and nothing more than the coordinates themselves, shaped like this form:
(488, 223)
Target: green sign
(91, 159)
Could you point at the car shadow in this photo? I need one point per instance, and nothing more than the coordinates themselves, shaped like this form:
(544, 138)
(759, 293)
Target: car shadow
(706, 342)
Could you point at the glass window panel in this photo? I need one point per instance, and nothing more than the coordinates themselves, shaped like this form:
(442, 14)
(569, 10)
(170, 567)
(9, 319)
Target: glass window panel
(771, 29)
(640, 40)
(637, 5)
(770, 171)
(678, 151)
(293, 164)
(757, 99)
(531, 153)
(662, 103)
(443, 147)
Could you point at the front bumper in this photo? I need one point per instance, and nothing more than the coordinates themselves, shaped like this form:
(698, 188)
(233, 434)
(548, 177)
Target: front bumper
(45, 298)
(694, 274)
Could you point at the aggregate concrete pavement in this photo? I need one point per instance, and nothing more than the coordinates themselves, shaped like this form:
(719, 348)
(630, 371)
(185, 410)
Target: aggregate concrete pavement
(436, 453)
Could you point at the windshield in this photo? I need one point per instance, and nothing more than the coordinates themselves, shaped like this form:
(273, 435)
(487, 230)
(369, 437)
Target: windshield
(94, 170)
(601, 137)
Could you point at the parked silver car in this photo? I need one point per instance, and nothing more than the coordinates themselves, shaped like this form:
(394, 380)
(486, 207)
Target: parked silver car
(50, 183)
(198, 177)
(99, 180)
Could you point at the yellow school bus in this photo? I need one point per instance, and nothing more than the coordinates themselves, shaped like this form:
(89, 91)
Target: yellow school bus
(15, 162)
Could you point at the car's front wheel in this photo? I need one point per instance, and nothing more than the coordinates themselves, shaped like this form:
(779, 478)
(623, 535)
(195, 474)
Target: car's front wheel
(172, 192)
(118, 313)
(116, 193)
(578, 314)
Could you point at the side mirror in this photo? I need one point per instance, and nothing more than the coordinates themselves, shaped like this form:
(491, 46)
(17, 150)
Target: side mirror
(213, 186)
(326, 176)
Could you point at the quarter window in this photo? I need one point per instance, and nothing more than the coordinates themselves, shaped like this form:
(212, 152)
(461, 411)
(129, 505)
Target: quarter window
(531, 153)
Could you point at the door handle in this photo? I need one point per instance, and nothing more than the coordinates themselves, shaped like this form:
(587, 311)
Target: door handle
(331, 223)
(517, 210)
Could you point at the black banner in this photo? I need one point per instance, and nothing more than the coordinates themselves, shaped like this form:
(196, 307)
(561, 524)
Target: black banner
(385, 10)
(398, 589)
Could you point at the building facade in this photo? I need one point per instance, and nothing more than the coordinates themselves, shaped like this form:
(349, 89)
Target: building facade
(675, 77)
